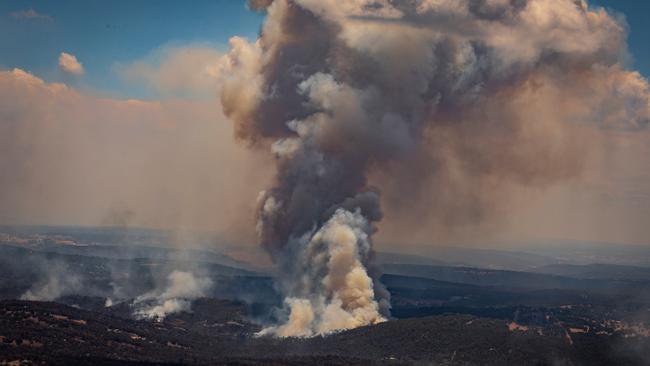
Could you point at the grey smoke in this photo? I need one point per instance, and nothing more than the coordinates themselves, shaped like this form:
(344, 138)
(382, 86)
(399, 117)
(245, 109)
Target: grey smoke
(445, 107)
(56, 280)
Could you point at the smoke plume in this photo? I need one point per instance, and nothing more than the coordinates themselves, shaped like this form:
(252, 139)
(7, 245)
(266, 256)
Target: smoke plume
(444, 105)
(182, 288)
(56, 280)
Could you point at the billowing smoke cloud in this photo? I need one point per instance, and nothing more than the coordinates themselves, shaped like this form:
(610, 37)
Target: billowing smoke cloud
(182, 287)
(444, 105)
(335, 291)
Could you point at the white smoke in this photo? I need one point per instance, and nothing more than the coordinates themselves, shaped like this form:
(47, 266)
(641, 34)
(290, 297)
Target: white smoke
(56, 280)
(182, 288)
(338, 292)
(53, 288)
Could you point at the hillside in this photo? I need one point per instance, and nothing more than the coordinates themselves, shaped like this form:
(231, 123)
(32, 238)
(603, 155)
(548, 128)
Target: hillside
(59, 334)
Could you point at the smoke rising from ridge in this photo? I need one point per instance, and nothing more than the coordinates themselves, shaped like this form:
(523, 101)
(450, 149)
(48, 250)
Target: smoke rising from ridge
(443, 106)
(182, 287)
(56, 281)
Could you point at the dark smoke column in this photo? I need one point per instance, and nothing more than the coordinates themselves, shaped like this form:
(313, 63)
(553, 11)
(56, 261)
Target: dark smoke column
(336, 89)
(316, 221)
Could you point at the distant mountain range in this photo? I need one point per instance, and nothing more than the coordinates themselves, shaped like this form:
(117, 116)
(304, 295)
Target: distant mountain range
(522, 257)
(469, 257)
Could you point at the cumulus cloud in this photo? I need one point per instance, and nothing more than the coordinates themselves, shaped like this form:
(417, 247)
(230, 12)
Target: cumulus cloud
(68, 63)
(29, 14)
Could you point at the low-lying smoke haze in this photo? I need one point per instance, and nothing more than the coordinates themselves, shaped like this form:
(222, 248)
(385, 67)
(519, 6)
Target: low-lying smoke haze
(72, 158)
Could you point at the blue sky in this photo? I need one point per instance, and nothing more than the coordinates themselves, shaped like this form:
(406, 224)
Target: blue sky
(636, 13)
(103, 34)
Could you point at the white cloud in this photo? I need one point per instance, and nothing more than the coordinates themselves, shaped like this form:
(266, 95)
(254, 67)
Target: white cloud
(69, 63)
(29, 14)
